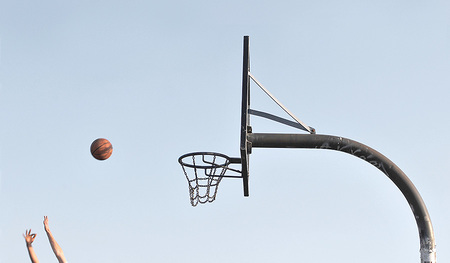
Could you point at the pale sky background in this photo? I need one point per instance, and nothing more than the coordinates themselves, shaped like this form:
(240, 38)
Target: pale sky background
(163, 78)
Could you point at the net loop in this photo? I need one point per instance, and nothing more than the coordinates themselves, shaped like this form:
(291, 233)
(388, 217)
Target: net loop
(204, 171)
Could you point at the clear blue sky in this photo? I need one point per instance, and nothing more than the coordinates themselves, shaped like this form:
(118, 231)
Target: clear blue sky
(160, 79)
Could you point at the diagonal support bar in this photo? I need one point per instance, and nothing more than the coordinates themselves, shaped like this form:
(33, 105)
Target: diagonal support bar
(306, 127)
(279, 119)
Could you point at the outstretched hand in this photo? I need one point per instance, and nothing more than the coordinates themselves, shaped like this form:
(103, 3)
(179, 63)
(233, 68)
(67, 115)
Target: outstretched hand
(46, 227)
(29, 238)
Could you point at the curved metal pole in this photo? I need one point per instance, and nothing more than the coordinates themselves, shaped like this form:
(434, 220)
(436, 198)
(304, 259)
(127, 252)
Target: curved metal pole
(315, 141)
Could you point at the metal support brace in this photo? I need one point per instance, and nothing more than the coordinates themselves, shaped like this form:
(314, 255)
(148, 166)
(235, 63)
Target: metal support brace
(280, 120)
(305, 127)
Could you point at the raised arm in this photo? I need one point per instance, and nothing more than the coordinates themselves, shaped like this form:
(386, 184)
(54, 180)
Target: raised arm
(55, 247)
(29, 238)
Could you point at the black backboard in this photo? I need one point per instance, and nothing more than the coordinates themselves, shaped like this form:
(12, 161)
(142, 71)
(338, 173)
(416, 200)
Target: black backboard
(245, 146)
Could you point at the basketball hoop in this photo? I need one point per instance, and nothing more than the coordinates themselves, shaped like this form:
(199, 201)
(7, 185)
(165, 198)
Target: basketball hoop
(204, 171)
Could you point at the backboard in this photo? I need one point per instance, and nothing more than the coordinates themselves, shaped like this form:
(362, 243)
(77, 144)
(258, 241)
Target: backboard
(207, 161)
(245, 146)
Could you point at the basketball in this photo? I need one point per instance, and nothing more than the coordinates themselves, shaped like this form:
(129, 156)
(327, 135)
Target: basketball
(101, 149)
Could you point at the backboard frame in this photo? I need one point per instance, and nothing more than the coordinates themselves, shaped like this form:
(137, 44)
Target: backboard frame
(245, 145)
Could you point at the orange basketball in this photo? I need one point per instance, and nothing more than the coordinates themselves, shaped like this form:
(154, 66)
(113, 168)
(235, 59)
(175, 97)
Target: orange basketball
(101, 149)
